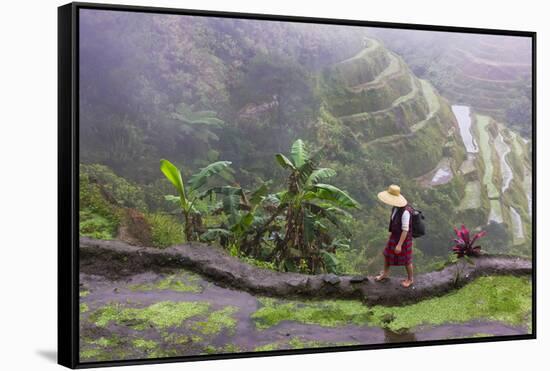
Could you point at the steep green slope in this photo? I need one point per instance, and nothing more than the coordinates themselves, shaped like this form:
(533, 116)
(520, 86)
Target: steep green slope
(222, 89)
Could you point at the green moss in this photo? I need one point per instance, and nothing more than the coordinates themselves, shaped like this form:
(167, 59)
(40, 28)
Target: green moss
(324, 313)
(84, 293)
(231, 348)
(298, 343)
(84, 308)
(267, 347)
(178, 339)
(210, 349)
(183, 282)
(107, 342)
(227, 348)
(103, 349)
(506, 299)
(481, 335)
(90, 353)
(144, 344)
(217, 321)
(160, 315)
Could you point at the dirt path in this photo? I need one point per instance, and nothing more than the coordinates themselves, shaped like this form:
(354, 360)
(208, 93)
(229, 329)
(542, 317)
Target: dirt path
(117, 259)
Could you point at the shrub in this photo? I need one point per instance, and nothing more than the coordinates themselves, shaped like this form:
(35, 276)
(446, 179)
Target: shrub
(97, 217)
(122, 191)
(464, 245)
(165, 230)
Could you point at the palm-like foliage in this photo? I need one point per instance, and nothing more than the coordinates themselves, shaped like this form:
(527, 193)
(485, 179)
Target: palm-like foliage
(198, 124)
(187, 196)
(308, 204)
(464, 246)
(292, 226)
(242, 209)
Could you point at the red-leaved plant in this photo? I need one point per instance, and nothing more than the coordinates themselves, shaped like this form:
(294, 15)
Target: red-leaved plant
(465, 245)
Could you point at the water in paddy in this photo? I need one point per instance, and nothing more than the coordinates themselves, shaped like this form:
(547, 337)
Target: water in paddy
(517, 224)
(462, 114)
(442, 176)
(239, 334)
(503, 149)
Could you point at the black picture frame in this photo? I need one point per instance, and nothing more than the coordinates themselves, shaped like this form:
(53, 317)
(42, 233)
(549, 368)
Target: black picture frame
(68, 159)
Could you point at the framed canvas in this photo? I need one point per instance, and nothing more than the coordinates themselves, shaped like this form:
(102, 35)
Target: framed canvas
(241, 185)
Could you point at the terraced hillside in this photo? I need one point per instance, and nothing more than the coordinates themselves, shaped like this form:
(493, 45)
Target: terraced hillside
(499, 181)
(391, 112)
(283, 134)
(402, 120)
(485, 77)
(489, 73)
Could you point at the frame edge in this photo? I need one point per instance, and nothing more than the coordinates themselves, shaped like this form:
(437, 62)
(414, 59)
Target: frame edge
(67, 302)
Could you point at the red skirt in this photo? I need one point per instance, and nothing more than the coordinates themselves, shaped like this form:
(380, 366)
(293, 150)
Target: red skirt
(405, 257)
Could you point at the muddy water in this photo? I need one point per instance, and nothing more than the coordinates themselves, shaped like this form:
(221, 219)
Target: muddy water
(245, 336)
(462, 114)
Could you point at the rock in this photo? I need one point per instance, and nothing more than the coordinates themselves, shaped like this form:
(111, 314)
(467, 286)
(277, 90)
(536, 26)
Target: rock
(358, 279)
(117, 260)
(331, 278)
(296, 281)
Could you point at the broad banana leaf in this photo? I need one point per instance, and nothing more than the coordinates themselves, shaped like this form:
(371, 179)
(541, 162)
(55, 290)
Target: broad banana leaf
(336, 195)
(318, 174)
(258, 195)
(284, 161)
(214, 233)
(299, 153)
(330, 260)
(199, 179)
(172, 173)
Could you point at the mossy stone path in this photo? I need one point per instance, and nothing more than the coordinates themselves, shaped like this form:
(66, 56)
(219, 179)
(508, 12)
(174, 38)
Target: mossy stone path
(141, 316)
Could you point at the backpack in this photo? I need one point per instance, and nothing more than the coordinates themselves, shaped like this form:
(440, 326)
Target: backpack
(418, 226)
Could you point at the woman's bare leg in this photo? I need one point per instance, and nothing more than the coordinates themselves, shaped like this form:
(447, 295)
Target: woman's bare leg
(385, 273)
(409, 281)
(409, 268)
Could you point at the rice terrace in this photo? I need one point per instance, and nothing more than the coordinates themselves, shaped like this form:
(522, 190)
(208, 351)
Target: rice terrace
(228, 180)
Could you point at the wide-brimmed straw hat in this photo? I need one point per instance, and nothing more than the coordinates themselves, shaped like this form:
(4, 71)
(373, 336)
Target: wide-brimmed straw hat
(392, 196)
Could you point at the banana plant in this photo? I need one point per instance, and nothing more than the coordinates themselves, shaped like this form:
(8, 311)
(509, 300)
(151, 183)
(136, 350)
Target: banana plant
(308, 202)
(187, 196)
(197, 124)
(243, 211)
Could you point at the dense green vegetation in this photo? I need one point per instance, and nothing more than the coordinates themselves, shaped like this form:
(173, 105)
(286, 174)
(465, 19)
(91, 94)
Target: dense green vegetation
(271, 140)
(221, 101)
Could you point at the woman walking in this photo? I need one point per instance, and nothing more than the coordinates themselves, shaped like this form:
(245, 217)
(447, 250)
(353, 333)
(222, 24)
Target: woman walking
(398, 250)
